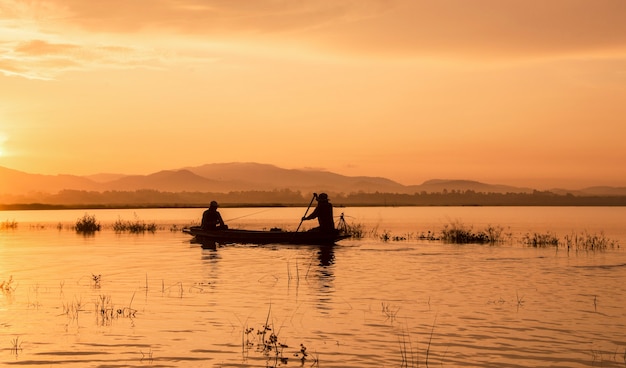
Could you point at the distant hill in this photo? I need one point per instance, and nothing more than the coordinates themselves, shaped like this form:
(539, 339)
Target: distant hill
(255, 176)
(438, 185)
(166, 181)
(229, 177)
(593, 191)
(17, 182)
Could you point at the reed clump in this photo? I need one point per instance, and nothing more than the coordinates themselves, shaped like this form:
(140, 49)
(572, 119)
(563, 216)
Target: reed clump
(590, 242)
(8, 225)
(458, 233)
(541, 240)
(72, 309)
(135, 227)
(87, 224)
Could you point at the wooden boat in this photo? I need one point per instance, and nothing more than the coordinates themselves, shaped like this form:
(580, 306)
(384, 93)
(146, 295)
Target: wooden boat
(273, 236)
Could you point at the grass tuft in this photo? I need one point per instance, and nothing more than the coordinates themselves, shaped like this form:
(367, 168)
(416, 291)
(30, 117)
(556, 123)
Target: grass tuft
(538, 240)
(458, 233)
(87, 224)
(135, 227)
(590, 242)
(8, 225)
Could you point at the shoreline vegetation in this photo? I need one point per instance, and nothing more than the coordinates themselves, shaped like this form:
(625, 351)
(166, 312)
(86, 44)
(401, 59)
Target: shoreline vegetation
(73, 199)
(454, 232)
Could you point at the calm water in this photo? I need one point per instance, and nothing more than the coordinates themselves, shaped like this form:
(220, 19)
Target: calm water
(158, 300)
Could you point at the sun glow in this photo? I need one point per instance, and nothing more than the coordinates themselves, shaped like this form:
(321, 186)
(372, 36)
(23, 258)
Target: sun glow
(3, 139)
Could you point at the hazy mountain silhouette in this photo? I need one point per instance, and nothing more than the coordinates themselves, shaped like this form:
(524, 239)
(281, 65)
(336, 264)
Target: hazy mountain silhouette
(255, 176)
(438, 185)
(227, 177)
(104, 178)
(18, 182)
(166, 181)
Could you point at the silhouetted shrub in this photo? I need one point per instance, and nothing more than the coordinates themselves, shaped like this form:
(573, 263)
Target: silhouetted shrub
(87, 224)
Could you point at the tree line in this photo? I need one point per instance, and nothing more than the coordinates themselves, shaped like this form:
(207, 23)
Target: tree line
(287, 197)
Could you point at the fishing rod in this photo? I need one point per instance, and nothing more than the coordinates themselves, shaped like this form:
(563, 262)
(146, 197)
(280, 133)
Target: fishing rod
(250, 214)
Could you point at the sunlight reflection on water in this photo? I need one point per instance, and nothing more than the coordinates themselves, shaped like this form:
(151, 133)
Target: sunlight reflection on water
(158, 300)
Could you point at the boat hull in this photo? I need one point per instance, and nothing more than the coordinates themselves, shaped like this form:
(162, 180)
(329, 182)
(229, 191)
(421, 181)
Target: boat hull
(230, 236)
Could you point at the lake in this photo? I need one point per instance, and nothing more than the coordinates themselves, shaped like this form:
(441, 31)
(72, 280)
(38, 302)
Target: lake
(159, 300)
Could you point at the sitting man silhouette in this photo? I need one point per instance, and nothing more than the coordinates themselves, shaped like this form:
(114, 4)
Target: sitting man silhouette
(212, 219)
(324, 214)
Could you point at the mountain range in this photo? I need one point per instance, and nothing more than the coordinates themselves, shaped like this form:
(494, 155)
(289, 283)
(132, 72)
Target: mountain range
(229, 177)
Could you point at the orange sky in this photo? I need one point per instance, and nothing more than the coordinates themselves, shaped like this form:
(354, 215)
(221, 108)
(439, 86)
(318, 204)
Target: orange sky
(519, 92)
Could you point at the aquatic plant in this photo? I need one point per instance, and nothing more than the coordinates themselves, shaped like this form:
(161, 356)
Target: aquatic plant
(356, 231)
(389, 311)
(458, 233)
(87, 224)
(96, 280)
(385, 236)
(429, 235)
(538, 240)
(16, 345)
(71, 309)
(430, 340)
(590, 242)
(106, 311)
(268, 344)
(407, 352)
(136, 226)
(148, 356)
(170, 289)
(6, 286)
(8, 225)
(520, 300)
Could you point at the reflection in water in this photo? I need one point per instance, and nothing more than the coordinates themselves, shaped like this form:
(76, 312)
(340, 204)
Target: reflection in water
(326, 254)
(451, 306)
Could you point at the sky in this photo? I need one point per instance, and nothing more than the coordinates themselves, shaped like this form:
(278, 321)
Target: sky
(519, 92)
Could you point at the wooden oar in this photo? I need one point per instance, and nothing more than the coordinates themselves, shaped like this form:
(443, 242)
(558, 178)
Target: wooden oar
(307, 211)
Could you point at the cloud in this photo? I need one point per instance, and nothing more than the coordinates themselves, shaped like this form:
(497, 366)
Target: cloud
(214, 16)
(69, 34)
(485, 28)
(39, 59)
(489, 29)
